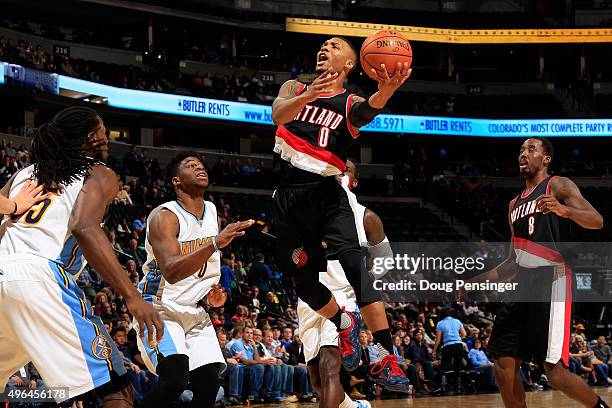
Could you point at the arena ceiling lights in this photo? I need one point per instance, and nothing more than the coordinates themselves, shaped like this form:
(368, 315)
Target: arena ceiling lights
(452, 36)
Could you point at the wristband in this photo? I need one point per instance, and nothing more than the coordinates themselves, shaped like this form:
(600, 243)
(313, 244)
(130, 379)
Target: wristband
(214, 242)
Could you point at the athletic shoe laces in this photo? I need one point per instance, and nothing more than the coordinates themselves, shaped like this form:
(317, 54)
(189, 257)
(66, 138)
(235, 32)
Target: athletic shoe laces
(344, 341)
(391, 362)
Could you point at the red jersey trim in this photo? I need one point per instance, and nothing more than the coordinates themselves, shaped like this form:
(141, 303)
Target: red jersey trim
(349, 102)
(302, 146)
(537, 249)
(513, 202)
(301, 89)
(548, 184)
(568, 316)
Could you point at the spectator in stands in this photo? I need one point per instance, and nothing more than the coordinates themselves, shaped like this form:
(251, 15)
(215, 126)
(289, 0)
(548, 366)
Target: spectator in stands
(419, 355)
(480, 362)
(286, 371)
(300, 372)
(227, 277)
(112, 238)
(372, 349)
(7, 168)
(580, 358)
(287, 338)
(260, 274)
(137, 254)
(123, 195)
(274, 377)
(580, 331)
(271, 309)
(140, 224)
(26, 377)
(242, 314)
(249, 359)
(132, 270)
(233, 375)
(449, 332)
(603, 353)
(137, 376)
(474, 335)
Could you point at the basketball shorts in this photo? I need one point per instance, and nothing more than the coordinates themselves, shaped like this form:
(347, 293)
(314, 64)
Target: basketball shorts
(316, 331)
(309, 213)
(45, 319)
(537, 331)
(188, 330)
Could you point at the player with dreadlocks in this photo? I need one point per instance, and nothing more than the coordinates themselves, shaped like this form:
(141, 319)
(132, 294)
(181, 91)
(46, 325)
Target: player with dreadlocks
(42, 251)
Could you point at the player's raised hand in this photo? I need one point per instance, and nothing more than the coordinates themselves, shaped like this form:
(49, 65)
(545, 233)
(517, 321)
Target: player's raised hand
(323, 84)
(217, 296)
(547, 203)
(30, 194)
(231, 231)
(147, 318)
(388, 85)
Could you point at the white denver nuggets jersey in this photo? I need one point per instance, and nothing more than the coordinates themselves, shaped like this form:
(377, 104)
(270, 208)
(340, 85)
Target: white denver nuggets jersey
(193, 233)
(335, 278)
(43, 229)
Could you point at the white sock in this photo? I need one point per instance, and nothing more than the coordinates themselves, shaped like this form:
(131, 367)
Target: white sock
(347, 402)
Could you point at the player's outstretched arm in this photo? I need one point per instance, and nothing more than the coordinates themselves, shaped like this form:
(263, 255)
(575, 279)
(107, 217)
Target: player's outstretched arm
(575, 206)
(98, 191)
(163, 230)
(288, 103)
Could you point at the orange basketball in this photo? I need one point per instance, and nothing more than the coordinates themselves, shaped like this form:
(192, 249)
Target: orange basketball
(384, 47)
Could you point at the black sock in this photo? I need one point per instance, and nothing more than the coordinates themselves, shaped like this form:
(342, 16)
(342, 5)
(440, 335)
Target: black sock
(341, 320)
(383, 337)
(600, 403)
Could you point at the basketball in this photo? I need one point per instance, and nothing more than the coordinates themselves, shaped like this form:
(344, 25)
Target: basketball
(384, 47)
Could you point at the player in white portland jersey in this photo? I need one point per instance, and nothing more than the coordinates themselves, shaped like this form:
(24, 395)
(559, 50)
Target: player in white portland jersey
(44, 317)
(183, 268)
(319, 335)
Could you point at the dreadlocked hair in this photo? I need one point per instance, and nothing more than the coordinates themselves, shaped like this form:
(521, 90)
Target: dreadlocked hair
(58, 147)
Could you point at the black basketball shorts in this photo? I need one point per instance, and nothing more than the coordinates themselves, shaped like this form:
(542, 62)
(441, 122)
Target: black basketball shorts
(537, 331)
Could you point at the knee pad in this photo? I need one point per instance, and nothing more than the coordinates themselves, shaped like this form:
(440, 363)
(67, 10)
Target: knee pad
(173, 373)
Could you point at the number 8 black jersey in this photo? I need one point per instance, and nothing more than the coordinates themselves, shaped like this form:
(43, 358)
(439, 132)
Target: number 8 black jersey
(318, 140)
(535, 233)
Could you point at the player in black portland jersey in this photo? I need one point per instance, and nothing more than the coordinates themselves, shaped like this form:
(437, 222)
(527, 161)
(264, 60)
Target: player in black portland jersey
(539, 331)
(317, 124)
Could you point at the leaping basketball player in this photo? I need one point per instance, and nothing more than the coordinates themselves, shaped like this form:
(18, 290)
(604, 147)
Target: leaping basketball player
(183, 267)
(539, 331)
(317, 125)
(318, 334)
(44, 317)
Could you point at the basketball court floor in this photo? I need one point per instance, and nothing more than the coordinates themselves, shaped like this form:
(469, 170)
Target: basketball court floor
(536, 399)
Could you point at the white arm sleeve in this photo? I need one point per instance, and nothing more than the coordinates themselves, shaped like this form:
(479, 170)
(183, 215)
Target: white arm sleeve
(379, 253)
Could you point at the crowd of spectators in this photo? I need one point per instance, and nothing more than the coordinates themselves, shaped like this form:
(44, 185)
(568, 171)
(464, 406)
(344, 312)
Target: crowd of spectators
(34, 56)
(238, 87)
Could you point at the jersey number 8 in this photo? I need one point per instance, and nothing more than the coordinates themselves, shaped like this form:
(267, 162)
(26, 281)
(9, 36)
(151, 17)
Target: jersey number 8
(531, 222)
